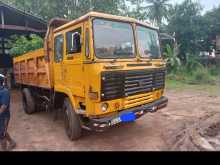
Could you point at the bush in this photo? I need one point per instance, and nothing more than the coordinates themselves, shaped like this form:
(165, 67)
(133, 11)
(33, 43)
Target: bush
(201, 75)
(21, 44)
(214, 70)
(192, 63)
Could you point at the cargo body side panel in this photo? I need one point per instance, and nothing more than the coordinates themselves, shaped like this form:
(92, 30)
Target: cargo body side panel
(32, 69)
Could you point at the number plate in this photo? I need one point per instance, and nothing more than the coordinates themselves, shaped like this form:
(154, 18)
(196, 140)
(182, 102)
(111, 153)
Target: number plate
(128, 117)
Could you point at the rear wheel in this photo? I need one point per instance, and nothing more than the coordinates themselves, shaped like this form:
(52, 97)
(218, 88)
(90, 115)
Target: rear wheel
(28, 101)
(71, 121)
(9, 80)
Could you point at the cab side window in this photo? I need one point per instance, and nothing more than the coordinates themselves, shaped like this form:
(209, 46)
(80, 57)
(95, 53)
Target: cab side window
(58, 48)
(74, 41)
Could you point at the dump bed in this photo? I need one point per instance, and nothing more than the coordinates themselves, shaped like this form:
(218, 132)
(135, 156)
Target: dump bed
(32, 69)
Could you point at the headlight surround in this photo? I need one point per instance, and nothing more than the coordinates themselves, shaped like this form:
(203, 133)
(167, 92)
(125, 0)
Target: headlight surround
(104, 107)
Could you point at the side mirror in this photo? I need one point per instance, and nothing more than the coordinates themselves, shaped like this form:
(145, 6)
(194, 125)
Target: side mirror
(76, 42)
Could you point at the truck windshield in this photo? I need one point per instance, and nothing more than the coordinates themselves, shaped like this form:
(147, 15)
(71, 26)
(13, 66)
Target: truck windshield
(148, 42)
(113, 39)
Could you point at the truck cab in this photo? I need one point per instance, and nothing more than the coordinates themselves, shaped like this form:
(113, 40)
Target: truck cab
(104, 70)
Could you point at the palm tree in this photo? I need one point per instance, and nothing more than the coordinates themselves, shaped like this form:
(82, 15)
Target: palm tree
(157, 10)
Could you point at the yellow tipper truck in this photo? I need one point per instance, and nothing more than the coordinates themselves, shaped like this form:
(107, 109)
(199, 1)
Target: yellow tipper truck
(100, 69)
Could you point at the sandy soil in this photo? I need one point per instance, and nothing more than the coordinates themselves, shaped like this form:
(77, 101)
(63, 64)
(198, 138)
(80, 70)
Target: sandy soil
(39, 132)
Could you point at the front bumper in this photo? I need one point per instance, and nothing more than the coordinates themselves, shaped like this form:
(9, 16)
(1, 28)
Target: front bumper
(101, 124)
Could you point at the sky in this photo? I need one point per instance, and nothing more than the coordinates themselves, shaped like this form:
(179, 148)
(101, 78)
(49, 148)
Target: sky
(206, 4)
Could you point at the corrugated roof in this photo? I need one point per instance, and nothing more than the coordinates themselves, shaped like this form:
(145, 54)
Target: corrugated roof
(31, 15)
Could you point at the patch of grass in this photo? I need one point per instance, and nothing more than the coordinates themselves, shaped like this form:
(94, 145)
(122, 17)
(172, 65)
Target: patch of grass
(199, 78)
(174, 84)
(214, 70)
(213, 90)
(200, 75)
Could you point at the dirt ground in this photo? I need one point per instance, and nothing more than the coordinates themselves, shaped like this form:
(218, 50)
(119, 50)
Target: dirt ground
(39, 132)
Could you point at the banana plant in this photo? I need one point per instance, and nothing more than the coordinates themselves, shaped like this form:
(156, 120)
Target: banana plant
(171, 58)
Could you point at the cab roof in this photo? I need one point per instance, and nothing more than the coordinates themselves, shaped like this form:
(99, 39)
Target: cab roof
(105, 16)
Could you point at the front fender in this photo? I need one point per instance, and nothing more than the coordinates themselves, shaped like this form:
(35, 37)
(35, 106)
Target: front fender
(66, 91)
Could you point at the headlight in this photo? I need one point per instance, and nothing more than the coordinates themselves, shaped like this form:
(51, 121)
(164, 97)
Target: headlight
(104, 107)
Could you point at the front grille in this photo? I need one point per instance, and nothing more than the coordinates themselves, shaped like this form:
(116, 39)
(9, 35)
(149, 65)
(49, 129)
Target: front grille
(138, 82)
(112, 85)
(121, 84)
(159, 80)
(136, 100)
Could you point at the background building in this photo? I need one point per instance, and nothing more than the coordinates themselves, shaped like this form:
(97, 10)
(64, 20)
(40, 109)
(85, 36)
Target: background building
(16, 22)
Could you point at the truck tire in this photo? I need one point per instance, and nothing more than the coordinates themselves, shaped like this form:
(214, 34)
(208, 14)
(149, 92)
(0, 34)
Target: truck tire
(71, 121)
(28, 101)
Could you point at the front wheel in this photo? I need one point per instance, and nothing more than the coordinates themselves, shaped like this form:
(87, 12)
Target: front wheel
(71, 121)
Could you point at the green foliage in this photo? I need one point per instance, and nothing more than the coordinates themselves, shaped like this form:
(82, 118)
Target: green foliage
(186, 22)
(136, 9)
(69, 9)
(154, 10)
(195, 32)
(211, 28)
(193, 72)
(157, 10)
(202, 76)
(199, 76)
(213, 90)
(172, 59)
(21, 45)
(192, 63)
(214, 70)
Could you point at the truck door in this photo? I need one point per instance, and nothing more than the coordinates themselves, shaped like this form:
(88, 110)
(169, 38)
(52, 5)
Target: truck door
(73, 71)
(58, 61)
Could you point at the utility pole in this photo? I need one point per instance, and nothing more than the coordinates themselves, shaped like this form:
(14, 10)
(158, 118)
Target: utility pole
(24, 5)
(2, 17)
(90, 5)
